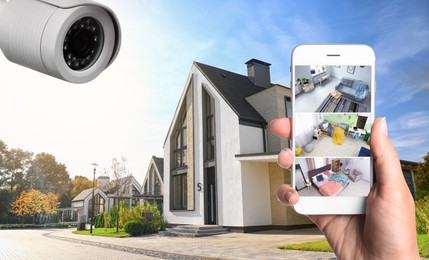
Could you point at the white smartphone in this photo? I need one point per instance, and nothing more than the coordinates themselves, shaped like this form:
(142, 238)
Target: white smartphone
(333, 92)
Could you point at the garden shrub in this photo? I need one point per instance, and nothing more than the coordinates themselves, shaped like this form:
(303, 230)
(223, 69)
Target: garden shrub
(99, 220)
(134, 228)
(148, 214)
(422, 215)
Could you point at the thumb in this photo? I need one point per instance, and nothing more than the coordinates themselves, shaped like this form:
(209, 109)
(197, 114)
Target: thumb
(387, 167)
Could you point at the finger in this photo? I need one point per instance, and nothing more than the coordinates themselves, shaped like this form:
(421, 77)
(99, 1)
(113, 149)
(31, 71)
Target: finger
(386, 161)
(281, 127)
(285, 158)
(287, 195)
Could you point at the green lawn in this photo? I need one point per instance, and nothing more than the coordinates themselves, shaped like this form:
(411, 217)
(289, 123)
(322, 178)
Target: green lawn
(423, 241)
(103, 232)
(323, 246)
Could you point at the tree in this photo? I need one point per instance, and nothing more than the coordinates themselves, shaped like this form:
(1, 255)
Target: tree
(3, 151)
(16, 165)
(47, 175)
(422, 177)
(80, 183)
(121, 181)
(34, 202)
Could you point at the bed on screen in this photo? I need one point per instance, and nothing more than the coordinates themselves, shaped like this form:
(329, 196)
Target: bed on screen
(328, 182)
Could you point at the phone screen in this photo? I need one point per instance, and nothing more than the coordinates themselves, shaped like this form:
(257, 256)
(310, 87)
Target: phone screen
(332, 122)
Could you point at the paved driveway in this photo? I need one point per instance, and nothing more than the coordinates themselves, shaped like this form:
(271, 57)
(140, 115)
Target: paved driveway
(50, 244)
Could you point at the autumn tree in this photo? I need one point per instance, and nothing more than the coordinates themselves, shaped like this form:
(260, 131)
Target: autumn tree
(80, 183)
(34, 202)
(422, 177)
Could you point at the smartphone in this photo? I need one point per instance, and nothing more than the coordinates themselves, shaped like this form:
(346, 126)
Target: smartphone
(333, 98)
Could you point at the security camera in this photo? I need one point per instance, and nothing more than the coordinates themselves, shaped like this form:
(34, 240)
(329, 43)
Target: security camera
(73, 40)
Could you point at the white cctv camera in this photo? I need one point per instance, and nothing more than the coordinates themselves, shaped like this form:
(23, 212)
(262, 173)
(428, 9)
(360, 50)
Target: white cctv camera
(73, 40)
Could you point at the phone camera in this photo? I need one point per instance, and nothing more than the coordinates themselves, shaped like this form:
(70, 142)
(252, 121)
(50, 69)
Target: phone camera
(83, 43)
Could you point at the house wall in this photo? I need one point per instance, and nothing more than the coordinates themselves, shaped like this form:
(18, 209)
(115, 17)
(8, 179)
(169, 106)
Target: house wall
(270, 104)
(228, 177)
(251, 139)
(256, 194)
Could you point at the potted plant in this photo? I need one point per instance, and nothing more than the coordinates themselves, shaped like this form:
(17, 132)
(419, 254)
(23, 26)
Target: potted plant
(303, 81)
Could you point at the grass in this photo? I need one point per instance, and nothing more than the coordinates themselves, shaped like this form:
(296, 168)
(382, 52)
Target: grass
(104, 232)
(423, 241)
(323, 246)
(320, 246)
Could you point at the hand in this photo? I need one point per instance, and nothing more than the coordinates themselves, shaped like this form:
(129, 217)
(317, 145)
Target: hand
(388, 229)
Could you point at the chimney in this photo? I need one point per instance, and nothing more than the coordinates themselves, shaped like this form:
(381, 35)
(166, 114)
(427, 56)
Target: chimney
(102, 181)
(259, 72)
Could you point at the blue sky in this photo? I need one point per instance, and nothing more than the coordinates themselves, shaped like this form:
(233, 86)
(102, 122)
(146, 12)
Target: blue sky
(127, 110)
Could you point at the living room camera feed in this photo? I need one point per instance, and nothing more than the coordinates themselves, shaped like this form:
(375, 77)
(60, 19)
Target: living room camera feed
(321, 176)
(333, 89)
(328, 135)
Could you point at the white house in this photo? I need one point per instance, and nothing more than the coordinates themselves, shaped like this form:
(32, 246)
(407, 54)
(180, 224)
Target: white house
(153, 184)
(220, 159)
(105, 194)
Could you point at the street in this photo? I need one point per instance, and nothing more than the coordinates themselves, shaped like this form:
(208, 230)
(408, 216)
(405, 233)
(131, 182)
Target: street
(32, 244)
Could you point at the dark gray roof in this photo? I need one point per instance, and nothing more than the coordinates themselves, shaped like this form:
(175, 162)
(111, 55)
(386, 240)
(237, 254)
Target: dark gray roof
(159, 162)
(234, 88)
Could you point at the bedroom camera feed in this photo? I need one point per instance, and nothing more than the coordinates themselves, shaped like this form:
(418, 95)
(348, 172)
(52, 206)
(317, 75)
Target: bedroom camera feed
(333, 89)
(329, 135)
(323, 176)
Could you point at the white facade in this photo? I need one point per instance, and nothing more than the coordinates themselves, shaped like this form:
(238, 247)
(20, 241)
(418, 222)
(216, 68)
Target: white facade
(244, 185)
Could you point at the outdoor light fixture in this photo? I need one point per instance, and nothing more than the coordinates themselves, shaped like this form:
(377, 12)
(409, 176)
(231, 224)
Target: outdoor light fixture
(93, 198)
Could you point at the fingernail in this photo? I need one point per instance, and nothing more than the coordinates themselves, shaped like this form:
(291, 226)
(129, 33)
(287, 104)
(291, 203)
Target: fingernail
(384, 126)
(288, 196)
(285, 150)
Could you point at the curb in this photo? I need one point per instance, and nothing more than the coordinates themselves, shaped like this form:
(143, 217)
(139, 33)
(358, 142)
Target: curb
(140, 251)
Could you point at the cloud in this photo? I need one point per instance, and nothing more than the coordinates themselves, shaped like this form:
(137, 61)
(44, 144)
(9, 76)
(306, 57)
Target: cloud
(409, 134)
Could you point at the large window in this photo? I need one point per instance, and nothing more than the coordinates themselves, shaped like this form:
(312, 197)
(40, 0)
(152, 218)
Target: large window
(180, 138)
(152, 184)
(209, 126)
(179, 191)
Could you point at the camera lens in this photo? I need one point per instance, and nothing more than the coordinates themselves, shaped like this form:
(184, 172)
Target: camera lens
(83, 43)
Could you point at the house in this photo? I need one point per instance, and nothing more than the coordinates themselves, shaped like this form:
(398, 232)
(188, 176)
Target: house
(409, 170)
(106, 194)
(220, 159)
(153, 184)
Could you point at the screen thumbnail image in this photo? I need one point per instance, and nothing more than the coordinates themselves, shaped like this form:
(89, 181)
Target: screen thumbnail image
(333, 89)
(321, 176)
(328, 135)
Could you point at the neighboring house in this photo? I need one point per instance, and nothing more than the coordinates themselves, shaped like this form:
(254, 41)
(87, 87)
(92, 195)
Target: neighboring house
(409, 170)
(153, 184)
(105, 193)
(220, 158)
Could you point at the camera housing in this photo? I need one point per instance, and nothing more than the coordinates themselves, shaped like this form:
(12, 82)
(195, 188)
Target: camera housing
(73, 40)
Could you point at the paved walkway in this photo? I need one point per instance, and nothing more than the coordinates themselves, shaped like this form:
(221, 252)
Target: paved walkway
(259, 245)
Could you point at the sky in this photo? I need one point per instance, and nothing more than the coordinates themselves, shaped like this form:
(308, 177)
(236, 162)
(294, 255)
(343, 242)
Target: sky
(127, 110)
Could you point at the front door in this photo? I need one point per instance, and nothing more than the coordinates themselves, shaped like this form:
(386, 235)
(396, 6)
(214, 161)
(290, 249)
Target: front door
(210, 196)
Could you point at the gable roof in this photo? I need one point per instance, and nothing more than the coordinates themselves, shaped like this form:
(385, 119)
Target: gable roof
(234, 88)
(114, 185)
(83, 194)
(159, 163)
